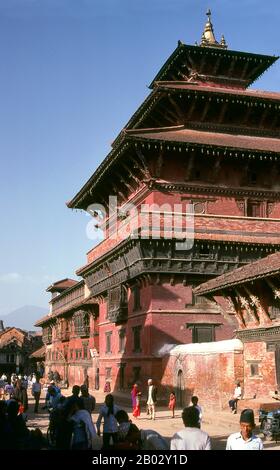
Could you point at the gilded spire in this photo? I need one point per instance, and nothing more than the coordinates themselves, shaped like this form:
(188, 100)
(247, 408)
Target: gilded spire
(208, 37)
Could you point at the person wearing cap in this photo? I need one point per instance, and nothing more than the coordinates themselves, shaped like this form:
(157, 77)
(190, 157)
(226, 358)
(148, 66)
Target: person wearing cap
(245, 439)
(151, 398)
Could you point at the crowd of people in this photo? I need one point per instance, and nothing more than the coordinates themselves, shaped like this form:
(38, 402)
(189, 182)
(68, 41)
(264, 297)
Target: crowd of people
(72, 426)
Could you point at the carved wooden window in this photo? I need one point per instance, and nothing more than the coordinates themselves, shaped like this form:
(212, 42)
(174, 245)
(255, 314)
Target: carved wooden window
(108, 373)
(85, 350)
(251, 177)
(202, 333)
(274, 310)
(136, 298)
(122, 340)
(10, 358)
(254, 369)
(136, 330)
(254, 209)
(108, 337)
(136, 373)
(199, 207)
(122, 375)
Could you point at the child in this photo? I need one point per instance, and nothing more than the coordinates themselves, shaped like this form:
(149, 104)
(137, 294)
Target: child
(172, 403)
(107, 387)
(137, 410)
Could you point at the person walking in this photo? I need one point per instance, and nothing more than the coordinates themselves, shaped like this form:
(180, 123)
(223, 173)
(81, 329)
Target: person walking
(110, 429)
(152, 399)
(245, 439)
(36, 392)
(190, 438)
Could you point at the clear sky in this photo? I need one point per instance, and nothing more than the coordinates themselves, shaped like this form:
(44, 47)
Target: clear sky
(72, 74)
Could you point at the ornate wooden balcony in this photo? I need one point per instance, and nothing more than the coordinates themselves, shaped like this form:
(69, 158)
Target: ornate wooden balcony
(118, 315)
(64, 335)
(117, 307)
(47, 338)
(82, 331)
(72, 297)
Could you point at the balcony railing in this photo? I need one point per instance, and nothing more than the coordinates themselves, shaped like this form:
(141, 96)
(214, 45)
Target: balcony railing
(68, 299)
(64, 335)
(82, 331)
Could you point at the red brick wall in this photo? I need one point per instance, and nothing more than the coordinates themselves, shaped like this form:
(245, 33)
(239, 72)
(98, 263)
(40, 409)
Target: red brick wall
(209, 376)
(265, 382)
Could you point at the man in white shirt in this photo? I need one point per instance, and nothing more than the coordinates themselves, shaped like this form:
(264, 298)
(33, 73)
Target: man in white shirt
(152, 398)
(190, 438)
(36, 392)
(236, 396)
(245, 439)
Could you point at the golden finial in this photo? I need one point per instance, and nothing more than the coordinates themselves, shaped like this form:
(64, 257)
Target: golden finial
(223, 42)
(208, 37)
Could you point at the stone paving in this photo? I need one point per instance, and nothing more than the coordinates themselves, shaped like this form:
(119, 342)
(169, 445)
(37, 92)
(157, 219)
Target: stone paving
(217, 424)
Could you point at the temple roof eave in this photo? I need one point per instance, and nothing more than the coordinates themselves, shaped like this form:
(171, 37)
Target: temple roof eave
(174, 135)
(267, 60)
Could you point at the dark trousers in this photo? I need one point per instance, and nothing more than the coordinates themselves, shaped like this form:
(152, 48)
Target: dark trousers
(233, 404)
(106, 439)
(37, 399)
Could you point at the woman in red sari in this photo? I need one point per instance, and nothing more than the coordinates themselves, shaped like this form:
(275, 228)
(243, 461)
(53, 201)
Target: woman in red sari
(134, 392)
(137, 410)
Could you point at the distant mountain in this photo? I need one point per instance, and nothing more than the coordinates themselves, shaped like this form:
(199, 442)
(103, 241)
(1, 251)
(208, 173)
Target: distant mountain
(24, 317)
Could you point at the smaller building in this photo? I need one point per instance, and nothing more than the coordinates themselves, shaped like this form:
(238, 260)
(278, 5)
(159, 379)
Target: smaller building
(16, 345)
(253, 295)
(207, 370)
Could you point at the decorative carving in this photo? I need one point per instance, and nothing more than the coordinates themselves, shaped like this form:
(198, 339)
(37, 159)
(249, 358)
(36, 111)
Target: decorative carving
(80, 322)
(255, 302)
(276, 291)
(158, 165)
(260, 334)
(245, 305)
(241, 205)
(234, 308)
(117, 304)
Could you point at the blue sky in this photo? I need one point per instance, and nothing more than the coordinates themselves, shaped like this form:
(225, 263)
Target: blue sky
(72, 73)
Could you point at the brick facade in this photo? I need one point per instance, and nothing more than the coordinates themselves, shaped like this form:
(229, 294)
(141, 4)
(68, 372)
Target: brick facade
(186, 146)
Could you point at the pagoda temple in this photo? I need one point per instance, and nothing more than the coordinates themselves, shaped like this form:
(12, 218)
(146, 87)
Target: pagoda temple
(204, 140)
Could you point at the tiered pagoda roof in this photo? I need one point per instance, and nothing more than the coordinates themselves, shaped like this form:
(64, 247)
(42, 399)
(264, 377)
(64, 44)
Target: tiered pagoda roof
(199, 97)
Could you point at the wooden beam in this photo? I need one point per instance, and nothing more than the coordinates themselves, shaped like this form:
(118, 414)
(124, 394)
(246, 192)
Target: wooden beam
(143, 167)
(190, 166)
(217, 65)
(131, 175)
(179, 111)
(205, 111)
(244, 71)
(222, 112)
